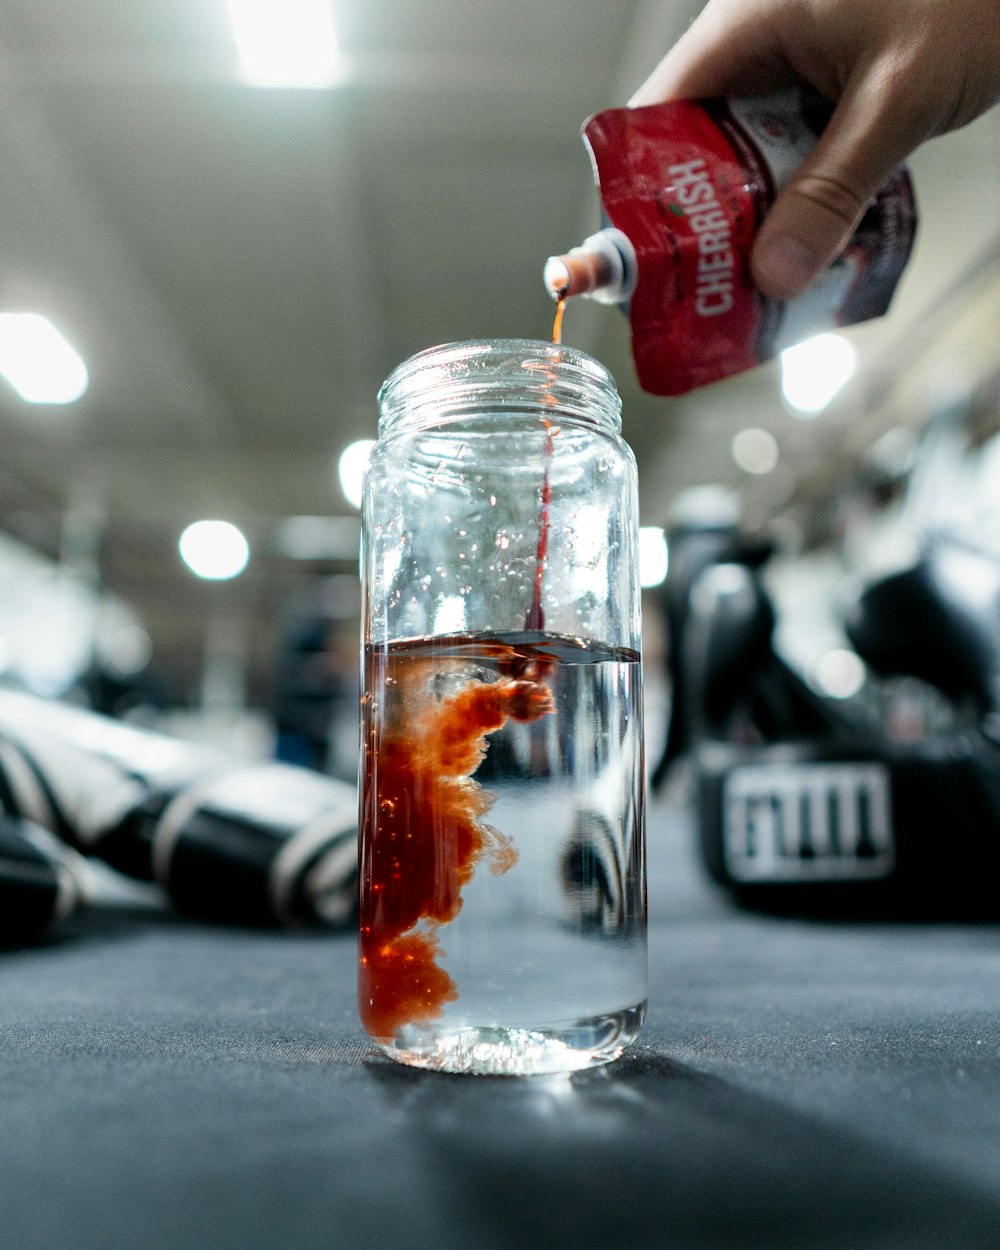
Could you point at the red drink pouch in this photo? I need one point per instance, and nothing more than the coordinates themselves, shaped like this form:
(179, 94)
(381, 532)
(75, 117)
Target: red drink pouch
(685, 187)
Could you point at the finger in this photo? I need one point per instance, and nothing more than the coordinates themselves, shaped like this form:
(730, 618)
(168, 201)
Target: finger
(728, 50)
(871, 132)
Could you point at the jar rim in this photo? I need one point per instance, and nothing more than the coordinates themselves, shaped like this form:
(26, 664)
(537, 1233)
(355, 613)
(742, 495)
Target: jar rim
(454, 379)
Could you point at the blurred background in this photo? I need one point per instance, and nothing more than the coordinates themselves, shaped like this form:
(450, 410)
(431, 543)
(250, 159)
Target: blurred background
(217, 239)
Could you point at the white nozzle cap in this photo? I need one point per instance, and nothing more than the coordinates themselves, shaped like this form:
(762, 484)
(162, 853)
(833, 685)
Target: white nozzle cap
(602, 268)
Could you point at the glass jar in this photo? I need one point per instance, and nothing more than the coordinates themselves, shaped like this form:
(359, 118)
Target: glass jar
(502, 895)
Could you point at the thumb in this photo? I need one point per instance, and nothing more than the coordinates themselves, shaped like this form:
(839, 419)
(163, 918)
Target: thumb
(816, 213)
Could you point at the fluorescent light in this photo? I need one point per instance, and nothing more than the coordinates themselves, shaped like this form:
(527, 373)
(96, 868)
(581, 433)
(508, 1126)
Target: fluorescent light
(652, 555)
(38, 362)
(840, 674)
(814, 371)
(214, 550)
(755, 451)
(351, 469)
(286, 43)
(128, 650)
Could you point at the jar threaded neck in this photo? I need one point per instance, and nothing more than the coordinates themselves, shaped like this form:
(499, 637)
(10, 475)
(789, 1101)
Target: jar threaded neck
(459, 380)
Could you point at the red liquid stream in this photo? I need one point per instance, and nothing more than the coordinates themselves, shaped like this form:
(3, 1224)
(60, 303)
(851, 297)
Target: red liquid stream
(535, 618)
(560, 310)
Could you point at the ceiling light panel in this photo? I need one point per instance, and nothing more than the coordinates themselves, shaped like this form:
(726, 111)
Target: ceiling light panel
(286, 43)
(38, 362)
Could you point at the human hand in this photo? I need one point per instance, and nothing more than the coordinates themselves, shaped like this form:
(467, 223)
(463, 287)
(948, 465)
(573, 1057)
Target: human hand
(899, 71)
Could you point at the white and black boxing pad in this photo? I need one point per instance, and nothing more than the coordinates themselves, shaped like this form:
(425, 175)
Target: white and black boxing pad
(846, 819)
(856, 828)
(41, 881)
(246, 841)
(938, 620)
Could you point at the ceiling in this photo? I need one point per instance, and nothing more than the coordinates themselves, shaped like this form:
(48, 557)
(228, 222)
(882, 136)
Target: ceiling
(241, 267)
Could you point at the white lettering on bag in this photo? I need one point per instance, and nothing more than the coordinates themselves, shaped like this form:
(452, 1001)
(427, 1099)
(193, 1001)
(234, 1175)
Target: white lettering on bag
(716, 269)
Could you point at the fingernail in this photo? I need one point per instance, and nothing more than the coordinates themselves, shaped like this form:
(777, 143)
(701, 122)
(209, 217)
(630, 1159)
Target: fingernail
(785, 266)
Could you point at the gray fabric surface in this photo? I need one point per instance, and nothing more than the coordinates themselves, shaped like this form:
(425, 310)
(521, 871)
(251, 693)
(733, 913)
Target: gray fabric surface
(168, 1084)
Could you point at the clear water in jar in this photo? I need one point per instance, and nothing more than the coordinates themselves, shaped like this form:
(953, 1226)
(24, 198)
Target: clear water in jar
(502, 852)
